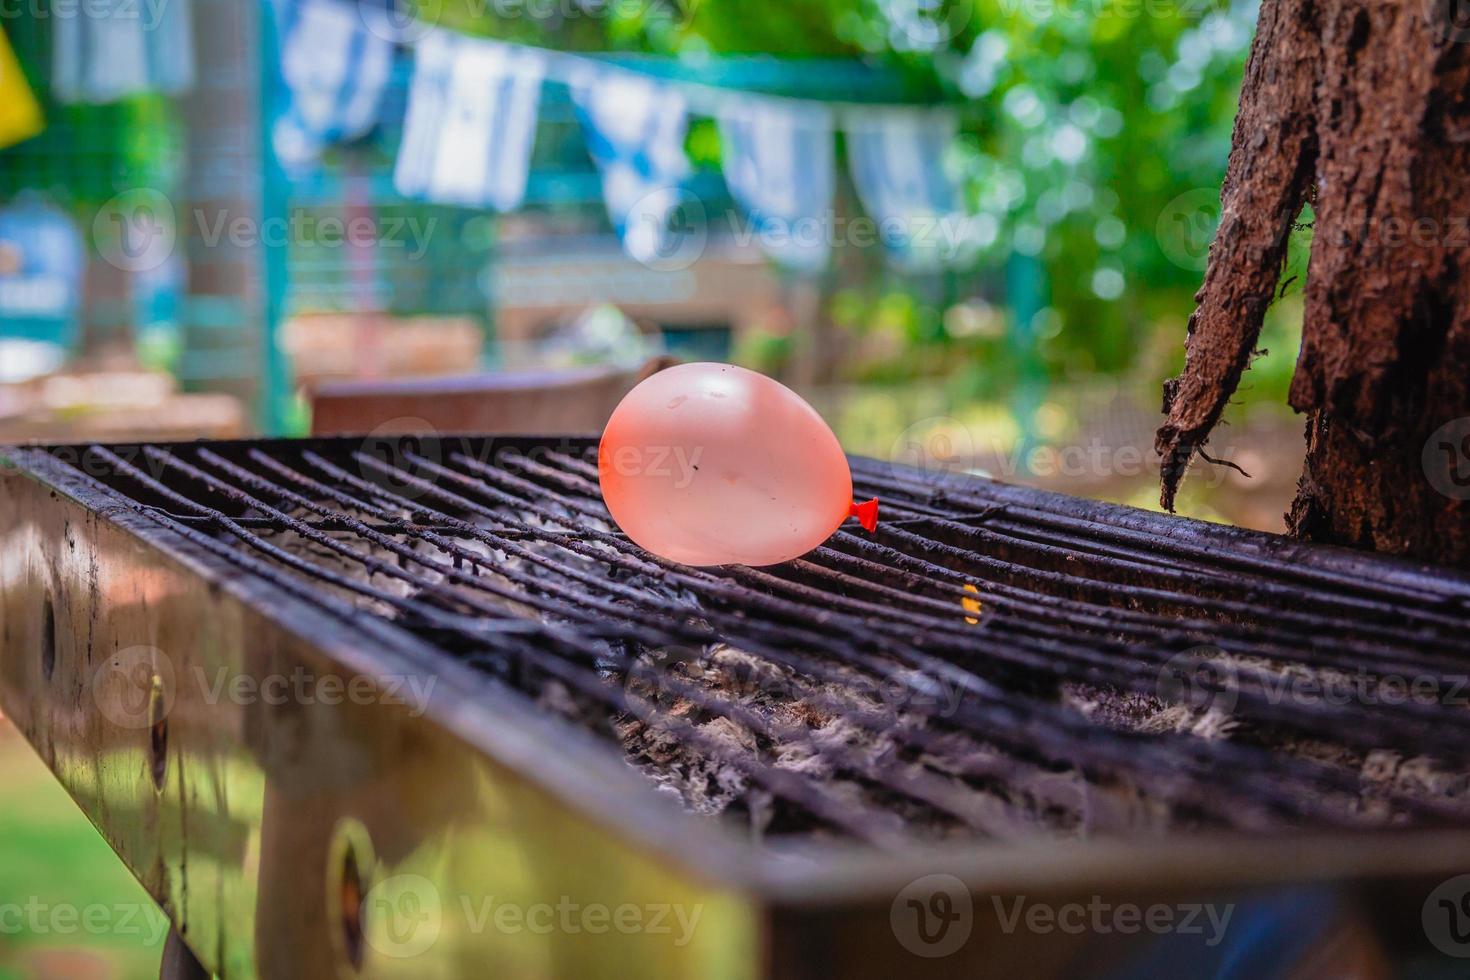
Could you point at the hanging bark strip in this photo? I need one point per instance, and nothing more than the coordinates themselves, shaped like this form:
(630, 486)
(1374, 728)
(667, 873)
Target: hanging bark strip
(1361, 107)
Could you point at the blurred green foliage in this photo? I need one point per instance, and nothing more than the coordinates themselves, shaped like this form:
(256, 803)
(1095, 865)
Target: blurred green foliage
(1094, 138)
(55, 867)
(87, 153)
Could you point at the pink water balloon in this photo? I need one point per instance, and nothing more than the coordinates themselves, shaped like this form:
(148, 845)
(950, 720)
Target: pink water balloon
(711, 464)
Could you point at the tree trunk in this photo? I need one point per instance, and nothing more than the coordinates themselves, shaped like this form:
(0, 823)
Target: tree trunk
(1362, 108)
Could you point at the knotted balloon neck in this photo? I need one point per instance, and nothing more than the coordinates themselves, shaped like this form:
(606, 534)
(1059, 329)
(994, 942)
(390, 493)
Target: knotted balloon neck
(866, 513)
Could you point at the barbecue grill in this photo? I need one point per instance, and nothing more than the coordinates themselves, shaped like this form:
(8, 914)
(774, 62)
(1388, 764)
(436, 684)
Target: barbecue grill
(414, 706)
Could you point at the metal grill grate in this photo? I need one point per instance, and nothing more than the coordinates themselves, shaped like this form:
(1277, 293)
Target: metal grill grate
(992, 662)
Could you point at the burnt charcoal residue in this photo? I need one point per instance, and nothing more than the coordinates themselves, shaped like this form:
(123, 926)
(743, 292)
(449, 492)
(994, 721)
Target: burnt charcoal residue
(990, 663)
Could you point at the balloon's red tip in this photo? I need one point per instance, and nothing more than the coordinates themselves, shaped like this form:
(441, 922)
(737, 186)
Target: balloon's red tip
(866, 513)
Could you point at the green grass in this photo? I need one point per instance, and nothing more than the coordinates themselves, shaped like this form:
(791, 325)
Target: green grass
(68, 906)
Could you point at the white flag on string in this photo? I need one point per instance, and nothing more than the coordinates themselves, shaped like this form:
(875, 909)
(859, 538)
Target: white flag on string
(897, 157)
(777, 159)
(635, 130)
(471, 122)
(106, 50)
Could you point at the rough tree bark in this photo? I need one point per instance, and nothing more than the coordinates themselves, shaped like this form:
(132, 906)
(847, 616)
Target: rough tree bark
(1362, 108)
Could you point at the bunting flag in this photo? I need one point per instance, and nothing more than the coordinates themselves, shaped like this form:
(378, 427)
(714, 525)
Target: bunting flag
(777, 159)
(896, 158)
(335, 70)
(471, 122)
(635, 132)
(105, 50)
(20, 114)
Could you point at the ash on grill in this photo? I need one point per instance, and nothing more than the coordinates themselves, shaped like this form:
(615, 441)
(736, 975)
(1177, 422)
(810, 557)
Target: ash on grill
(858, 691)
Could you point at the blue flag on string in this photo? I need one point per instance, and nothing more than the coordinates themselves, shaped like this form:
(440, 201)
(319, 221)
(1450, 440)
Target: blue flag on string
(335, 65)
(471, 122)
(635, 131)
(777, 159)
